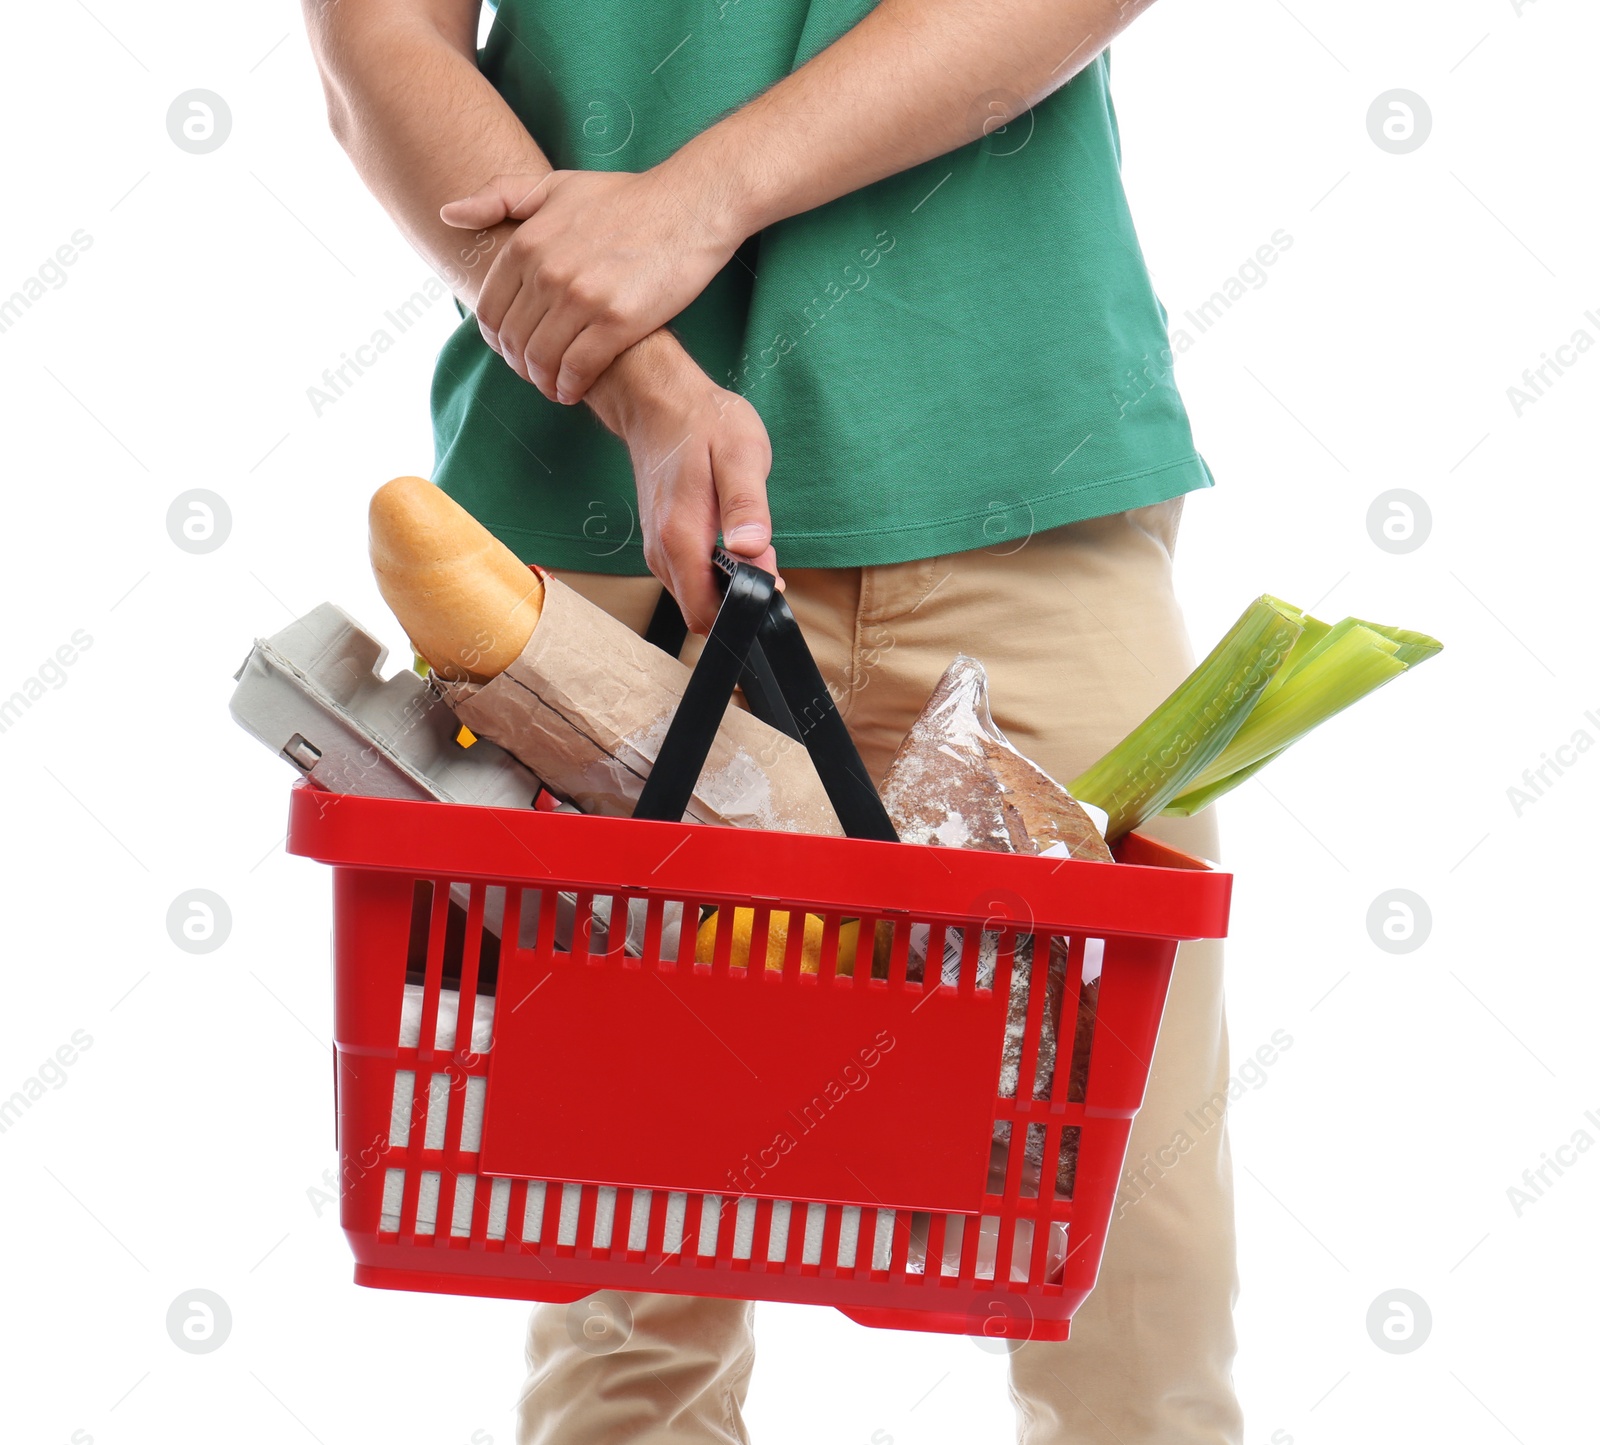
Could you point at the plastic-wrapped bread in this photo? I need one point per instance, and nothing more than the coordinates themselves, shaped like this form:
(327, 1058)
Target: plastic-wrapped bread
(957, 780)
(576, 695)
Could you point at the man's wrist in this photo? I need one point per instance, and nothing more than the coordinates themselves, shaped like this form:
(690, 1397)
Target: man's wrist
(641, 379)
(721, 177)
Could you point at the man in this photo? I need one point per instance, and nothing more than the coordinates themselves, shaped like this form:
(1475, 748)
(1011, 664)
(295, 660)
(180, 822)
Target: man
(855, 288)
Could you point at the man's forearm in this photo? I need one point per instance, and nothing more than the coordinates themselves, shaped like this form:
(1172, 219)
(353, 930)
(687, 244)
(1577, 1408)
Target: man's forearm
(419, 121)
(913, 80)
(423, 126)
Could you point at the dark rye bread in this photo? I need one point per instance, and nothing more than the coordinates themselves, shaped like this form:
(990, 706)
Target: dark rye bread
(956, 780)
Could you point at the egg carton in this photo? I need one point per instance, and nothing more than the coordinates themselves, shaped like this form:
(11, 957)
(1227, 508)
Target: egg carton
(316, 695)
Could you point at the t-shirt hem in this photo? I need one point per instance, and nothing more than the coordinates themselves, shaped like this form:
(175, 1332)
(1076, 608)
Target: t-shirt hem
(912, 541)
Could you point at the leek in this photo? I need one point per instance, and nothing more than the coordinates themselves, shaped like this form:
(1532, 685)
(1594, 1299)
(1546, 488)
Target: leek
(1346, 662)
(1195, 800)
(1161, 758)
(1277, 674)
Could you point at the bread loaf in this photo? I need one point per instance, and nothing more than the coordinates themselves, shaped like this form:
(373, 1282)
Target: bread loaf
(957, 780)
(466, 601)
(572, 692)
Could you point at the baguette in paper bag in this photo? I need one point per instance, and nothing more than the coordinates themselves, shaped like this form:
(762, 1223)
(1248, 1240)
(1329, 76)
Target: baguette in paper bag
(579, 697)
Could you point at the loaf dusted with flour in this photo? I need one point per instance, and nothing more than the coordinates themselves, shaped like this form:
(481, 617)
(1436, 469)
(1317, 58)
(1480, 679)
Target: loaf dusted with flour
(956, 780)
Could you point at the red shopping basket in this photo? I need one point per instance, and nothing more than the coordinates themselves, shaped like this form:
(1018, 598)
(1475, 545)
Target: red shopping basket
(895, 1138)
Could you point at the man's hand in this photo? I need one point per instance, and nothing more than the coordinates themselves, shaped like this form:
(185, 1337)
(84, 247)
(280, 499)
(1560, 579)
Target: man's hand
(700, 462)
(601, 259)
(700, 453)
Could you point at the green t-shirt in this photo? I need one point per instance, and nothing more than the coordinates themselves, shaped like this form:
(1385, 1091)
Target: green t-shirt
(953, 357)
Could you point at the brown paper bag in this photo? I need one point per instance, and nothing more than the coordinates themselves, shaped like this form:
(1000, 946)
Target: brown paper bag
(587, 704)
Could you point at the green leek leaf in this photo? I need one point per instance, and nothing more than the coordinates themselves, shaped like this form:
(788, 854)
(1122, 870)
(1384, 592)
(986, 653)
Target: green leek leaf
(1161, 757)
(1346, 662)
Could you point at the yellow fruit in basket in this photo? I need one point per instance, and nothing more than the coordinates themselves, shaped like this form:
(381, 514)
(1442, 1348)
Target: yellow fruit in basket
(777, 940)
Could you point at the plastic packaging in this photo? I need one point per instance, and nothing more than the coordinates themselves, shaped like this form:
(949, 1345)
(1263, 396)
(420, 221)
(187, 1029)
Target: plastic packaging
(956, 780)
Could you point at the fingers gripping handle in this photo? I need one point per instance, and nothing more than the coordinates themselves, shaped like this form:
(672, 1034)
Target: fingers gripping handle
(755, 640)
(667, 631)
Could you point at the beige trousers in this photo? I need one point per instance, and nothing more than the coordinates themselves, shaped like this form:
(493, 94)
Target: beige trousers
(1081, 635)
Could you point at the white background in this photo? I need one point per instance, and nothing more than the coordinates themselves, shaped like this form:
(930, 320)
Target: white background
(185, 1145)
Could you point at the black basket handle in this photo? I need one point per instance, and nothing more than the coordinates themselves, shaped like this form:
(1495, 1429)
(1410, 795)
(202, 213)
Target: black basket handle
(755, 641)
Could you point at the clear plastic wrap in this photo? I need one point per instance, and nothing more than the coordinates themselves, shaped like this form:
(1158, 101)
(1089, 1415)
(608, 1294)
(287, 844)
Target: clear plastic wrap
(956, 780)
